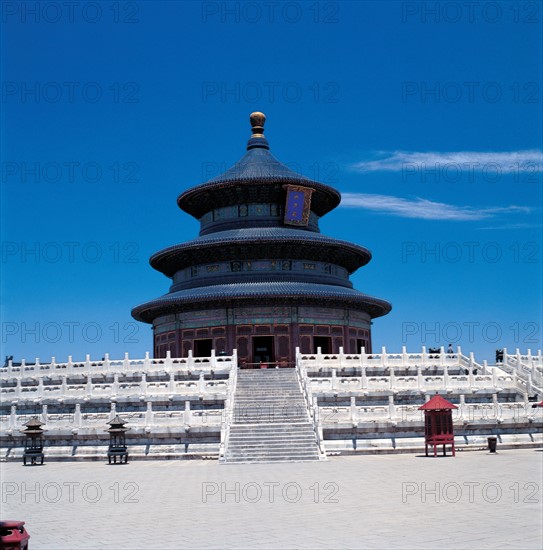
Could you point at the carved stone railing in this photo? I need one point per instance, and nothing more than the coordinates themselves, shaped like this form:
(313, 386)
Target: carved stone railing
(228, 415)
(116, 389)
(383, 359)
(528, 367)
(218, 364)
(520, 412)
(311, 405)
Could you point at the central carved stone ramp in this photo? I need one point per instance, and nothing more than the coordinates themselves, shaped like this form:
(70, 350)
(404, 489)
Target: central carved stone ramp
(270, 421)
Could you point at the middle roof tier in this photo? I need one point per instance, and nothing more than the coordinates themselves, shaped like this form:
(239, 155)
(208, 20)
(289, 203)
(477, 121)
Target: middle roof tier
(254, 243)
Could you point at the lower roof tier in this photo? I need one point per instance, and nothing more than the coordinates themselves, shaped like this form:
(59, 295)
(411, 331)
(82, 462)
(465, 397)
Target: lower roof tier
(257, 243)
(258, 293)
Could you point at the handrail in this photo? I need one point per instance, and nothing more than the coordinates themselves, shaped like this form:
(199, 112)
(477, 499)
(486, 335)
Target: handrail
(228, 412)
(313, 412)
(112, 366)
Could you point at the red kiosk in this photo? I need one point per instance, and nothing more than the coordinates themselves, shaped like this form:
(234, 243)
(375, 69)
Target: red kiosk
(438, 425)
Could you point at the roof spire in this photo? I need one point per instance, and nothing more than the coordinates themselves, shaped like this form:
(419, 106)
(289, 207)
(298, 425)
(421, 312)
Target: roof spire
(257, 139)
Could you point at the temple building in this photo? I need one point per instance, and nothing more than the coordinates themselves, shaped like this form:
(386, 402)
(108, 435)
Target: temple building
(260, 278)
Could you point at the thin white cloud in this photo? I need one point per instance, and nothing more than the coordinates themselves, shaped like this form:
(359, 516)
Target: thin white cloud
(513, 226)
(473, 161)
(424, 209)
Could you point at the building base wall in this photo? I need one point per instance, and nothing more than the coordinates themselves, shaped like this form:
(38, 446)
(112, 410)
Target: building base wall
(264, 334)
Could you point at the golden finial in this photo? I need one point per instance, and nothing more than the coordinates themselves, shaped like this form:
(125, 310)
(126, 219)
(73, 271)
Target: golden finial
(257, 122)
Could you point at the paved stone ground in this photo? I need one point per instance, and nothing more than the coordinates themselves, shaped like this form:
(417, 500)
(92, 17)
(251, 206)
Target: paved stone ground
(475, 500)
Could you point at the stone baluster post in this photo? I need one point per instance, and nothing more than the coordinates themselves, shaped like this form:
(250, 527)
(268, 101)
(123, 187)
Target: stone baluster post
(319, 357)
(334, 379)
(190, 360)
(391, 408)
(77, 416)
(441, 356)
(213, 359)
(149, 414)
(87, 362)
(112, 410)
(495, 405)
(70, 365)
(424, 357)
(363, 378)
(485, 367)
(143, 384)
(341, 357)
(384, 358)
(40, 386)
(405, 357)
(471, 367)
(463, 408)
(171, 382)
(126, 362)
(89, 385)
(147, 362)
(495, 377)
(505, 362)
(105, 362)
(13, 417)
(392, 377)
(201, 383)
(445, 376)
(420, 378)
(44, 414)
(353, 411)
(115, 383)
(187, 415)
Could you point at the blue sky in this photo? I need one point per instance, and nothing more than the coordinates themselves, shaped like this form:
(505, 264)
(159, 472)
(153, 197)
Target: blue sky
(428, 123)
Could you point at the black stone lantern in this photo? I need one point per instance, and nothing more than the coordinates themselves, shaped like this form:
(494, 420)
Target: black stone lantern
(117, 441)
(33, 441)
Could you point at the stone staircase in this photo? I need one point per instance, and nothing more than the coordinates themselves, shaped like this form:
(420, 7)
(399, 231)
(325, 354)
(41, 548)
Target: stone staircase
(270, 421)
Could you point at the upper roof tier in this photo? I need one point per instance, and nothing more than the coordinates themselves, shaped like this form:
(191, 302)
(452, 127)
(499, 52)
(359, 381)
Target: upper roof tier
(257, 177)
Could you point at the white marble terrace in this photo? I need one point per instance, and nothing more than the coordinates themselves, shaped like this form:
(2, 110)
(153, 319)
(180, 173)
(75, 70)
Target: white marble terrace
(156, 396)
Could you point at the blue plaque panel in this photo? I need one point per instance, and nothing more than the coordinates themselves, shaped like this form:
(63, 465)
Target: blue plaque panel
(298, 205)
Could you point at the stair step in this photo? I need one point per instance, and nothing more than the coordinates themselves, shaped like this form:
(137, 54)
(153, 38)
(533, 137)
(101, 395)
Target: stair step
(271, 441)
(270, 421)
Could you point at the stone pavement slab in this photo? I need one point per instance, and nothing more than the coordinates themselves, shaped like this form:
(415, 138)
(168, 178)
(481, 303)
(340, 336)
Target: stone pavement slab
(475, 500)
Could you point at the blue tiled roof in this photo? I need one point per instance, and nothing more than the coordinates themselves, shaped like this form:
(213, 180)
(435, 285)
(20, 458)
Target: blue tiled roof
(256, 170)
(284, 290)
(263, 235)
(258, 165)
(260, 233)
